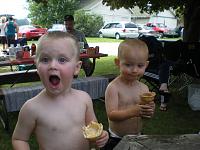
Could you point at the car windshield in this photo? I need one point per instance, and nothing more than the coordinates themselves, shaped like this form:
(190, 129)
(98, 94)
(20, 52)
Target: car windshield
(161, 25)
(130, 25)
(26, 27)
(57, 26)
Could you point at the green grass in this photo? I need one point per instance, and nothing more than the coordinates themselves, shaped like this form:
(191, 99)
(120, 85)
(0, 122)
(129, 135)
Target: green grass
(99, 40)
(178, 119)
(90, 40)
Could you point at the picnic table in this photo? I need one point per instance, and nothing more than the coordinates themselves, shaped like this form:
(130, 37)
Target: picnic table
(30, 60)
(160, 142)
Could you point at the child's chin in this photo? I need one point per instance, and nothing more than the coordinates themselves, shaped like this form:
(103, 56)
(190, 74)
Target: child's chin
(133, 78)
(55, 91)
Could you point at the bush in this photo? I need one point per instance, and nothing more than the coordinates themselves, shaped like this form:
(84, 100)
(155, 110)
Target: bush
(89, 24)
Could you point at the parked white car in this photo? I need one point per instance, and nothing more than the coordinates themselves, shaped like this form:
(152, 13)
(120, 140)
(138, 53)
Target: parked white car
(57, 27)
(119, 30)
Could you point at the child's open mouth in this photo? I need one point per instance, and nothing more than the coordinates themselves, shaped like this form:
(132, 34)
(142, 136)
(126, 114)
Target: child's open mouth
(54, 79)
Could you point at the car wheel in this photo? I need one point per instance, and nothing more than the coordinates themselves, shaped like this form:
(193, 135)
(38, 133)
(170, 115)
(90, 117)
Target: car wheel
(100, 35)
(160, 35)
(117, 36)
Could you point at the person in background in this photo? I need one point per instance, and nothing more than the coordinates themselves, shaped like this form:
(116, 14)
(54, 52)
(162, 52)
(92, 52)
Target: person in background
(69, 24)
(11, 29)
(2, 33)
(58, 113)
(122, 96)
(158, 64)
(164, 75)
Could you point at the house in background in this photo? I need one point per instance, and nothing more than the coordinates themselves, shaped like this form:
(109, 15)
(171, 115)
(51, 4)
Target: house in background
(122, 14)
(138, 17)
(167, 17)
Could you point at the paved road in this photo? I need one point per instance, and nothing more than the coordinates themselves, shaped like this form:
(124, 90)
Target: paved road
(107, 48)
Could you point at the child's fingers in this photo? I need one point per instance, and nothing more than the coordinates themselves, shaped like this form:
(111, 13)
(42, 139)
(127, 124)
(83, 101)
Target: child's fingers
(102, 140)
(147, 112)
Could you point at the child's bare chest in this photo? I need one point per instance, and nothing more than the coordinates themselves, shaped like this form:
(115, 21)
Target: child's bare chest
(130, 95)
(62, 117)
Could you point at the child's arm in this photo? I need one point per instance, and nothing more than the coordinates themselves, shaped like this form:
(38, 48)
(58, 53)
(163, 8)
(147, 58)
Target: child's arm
(23, 129)
(90, 116)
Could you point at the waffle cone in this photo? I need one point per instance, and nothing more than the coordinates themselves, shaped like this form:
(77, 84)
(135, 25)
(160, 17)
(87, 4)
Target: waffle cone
(147, 97)
(93, 130)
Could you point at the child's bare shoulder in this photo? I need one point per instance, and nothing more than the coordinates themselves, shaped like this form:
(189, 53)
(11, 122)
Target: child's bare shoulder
(112, 85)
(81, 95)
(114, 82)
(143, 86)
(80, 92)
(30, 106)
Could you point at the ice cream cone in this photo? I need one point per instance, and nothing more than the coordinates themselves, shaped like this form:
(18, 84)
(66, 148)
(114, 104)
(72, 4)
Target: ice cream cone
(147, 97)
(92, 131)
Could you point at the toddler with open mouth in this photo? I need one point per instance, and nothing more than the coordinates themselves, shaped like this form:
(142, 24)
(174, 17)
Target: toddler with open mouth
(59, 112)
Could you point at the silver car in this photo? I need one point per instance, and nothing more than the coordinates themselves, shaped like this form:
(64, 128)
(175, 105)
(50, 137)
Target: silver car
(119, 30)
(57, 27)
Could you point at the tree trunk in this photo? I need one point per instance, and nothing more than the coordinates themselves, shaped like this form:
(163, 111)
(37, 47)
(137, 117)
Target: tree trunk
(192, 22)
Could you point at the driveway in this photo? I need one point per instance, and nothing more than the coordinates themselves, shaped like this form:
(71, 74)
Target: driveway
(107, 48)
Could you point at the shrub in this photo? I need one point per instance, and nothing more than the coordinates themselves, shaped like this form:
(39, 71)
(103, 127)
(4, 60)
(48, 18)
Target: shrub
(89, 24)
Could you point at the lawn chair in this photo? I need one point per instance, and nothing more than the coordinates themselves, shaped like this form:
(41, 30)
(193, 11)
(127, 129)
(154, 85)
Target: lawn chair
(173, 52)
(187, 63)
(190, 63)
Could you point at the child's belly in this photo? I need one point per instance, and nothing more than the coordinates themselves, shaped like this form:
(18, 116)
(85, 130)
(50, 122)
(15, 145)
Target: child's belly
(131, 126)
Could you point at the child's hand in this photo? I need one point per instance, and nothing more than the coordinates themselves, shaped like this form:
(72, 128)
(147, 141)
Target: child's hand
(147, 110)
(102, 140)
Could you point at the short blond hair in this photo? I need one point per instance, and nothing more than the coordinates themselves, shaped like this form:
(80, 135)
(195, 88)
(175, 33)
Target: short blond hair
(54, 35)
(132, 44)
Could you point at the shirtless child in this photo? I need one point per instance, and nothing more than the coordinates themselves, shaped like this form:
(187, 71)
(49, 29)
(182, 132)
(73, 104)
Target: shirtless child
(58, 113)
(122, 96)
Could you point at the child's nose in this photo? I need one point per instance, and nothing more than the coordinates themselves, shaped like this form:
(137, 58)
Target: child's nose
(52, 64)
(134, 69)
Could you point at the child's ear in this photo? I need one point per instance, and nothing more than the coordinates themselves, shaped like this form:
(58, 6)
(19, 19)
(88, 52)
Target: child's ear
(147, 63)
(117, 61)
(78, 67)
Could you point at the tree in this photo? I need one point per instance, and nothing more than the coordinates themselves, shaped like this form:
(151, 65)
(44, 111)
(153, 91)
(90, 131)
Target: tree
(189, 8)
(88, 23)
(45, 13)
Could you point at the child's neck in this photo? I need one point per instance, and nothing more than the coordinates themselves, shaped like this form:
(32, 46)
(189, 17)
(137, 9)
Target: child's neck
(128, 82)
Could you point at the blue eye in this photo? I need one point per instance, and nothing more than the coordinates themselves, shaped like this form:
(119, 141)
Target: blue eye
(44, 60)
(141, 65)
(62, 60)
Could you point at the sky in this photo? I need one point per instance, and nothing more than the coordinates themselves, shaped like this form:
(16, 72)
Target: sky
(15, 7)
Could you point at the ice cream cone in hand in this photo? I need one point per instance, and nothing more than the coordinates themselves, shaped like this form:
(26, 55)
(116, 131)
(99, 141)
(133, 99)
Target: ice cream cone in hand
(147, 97)
(92, 131)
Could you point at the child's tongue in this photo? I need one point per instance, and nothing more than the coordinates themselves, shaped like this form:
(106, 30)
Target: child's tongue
(54, 80)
